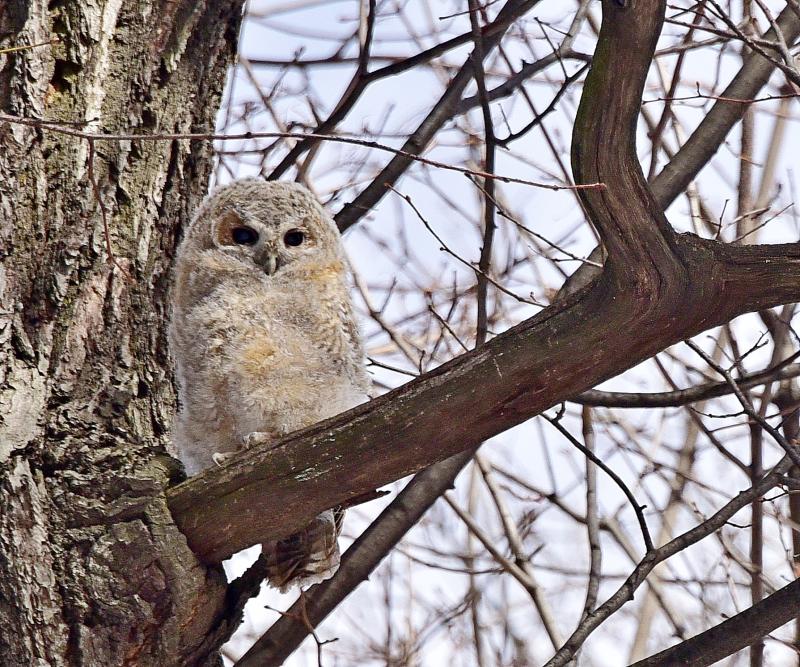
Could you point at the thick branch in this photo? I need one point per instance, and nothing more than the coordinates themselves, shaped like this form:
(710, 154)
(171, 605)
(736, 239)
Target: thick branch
(734, 634)
(712, 130)
(266, 494)
(635, 232)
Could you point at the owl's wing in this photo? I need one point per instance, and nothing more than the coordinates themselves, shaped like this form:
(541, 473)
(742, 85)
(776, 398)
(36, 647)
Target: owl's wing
(352, 336)
(307, 557)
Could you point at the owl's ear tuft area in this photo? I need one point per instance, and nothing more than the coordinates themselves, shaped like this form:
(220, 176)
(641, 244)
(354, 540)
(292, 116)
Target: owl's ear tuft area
(223, 229)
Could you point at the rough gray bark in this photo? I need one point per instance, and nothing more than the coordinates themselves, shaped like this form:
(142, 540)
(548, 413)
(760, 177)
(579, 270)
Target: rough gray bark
(92, 568)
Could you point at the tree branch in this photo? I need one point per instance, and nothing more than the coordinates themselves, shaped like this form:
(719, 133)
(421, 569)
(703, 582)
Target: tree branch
(734, 634)
(626, 591)
(708, 136)
(679, 397)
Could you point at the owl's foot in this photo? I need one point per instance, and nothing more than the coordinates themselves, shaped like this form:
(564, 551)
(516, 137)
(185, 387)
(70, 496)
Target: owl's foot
(257, 438)
(220, 458)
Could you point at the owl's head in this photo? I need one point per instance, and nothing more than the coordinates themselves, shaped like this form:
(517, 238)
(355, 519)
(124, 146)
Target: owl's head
(274, 226)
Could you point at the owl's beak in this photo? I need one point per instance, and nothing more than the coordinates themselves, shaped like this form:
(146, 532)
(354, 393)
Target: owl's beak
(271, 263)
(268, 259)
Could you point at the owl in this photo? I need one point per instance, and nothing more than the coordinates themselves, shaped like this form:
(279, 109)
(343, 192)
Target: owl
(265, 342)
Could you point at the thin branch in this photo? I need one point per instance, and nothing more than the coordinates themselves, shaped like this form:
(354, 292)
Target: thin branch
(638, 509)
(60, 128)
(673, 399)
(484, 263)
(790, 449)
(518, 551)
(592, 519)
(489, 544)
(442, 111)
(625, 592)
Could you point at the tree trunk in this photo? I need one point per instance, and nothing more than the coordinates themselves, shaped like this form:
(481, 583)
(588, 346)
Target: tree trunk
(93, 570)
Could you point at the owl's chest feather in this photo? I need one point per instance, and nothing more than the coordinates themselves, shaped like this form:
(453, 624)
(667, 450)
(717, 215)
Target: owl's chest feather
(294, 332)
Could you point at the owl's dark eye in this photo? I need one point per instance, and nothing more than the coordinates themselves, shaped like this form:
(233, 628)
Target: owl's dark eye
(244, 235)
(294, 237)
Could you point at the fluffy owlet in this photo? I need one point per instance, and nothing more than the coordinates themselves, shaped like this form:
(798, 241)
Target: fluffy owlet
(265, 341)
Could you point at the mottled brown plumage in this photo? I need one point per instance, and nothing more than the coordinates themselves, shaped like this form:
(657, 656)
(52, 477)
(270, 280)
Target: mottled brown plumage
(265, 341)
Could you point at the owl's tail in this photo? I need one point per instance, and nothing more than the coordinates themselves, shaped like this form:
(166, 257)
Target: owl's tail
(307, 557)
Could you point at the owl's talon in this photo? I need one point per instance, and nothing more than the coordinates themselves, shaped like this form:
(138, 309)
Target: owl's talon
(220, 458)
(257, 438)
